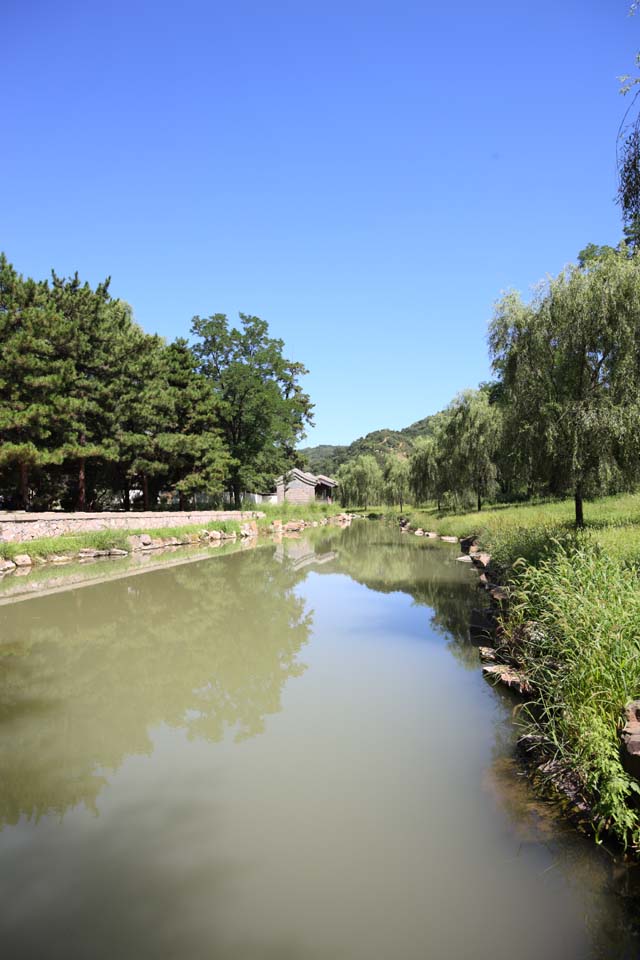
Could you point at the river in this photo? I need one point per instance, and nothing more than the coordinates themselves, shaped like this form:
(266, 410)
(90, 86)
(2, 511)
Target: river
(285, 753)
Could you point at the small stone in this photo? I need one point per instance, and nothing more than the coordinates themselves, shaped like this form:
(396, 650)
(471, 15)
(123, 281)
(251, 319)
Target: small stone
(466, 543)
(630, 737)
(449, 539)
(22, 560)
(419, 533)
(487, 654)
(6, 566)
(115, 552)
(499, 595)
(463, 559)
(482, 559)
(294, 525)
(215, 535)
(88, 553)
(431, 534)
(501, 673)
(145, 540)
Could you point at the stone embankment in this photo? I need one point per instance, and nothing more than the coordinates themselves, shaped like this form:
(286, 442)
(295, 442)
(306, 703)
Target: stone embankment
(20, 527)
(145, 542)
(499, 664)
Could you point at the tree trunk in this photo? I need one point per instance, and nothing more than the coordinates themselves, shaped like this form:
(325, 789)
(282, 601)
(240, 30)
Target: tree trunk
(577, 498)
(126, 497)
(479, 502)
(24, 485)
(438, 503)
(82, 484)
(145, 491)
(181, 500)
(237, 495)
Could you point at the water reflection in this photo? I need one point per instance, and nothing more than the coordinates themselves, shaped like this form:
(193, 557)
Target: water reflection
(85, 674)
(380, 557)
(380, 815)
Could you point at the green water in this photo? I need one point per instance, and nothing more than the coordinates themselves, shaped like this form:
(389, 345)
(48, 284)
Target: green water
(287, 752)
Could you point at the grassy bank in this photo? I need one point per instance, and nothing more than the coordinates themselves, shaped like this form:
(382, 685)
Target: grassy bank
(291, 511)
(529, 530)
(118, 539)
(45, 547)
(574, 628)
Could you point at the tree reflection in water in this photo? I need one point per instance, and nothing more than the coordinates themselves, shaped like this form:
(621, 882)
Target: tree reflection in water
(377, 555)
(85, 674)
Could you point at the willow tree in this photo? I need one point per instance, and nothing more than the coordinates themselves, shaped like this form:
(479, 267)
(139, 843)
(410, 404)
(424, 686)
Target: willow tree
(570, 366)
(360, 481)
(470, 442)
(395, 480)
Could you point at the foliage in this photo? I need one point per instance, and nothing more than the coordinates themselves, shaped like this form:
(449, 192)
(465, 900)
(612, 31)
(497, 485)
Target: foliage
(379, 443)
(583, 660)
(570, 366)
(261, 407)
(469, 444)
(94, 412)
(360, 482)
(395, 480)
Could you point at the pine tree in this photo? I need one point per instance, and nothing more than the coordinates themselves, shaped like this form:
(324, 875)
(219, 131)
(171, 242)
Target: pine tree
(32, 378)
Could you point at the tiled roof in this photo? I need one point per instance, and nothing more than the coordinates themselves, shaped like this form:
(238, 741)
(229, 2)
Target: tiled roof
(309, 478)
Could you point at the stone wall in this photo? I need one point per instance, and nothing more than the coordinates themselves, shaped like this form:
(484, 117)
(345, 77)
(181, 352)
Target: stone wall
(21, 527)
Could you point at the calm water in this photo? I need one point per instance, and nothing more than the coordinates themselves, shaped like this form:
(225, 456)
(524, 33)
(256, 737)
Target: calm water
(285, 753)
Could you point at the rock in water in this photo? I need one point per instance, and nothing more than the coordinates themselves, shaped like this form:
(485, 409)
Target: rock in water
(630, 737)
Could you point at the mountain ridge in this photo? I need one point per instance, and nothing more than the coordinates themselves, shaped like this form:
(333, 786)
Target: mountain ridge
(326, 458)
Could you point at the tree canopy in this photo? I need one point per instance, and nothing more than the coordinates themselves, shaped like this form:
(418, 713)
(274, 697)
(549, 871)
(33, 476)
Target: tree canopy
(570, 365)
(261, 407)
(93, 408)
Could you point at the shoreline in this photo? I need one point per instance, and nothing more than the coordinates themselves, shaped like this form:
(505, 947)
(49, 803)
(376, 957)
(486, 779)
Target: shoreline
(142, 543)
(550, 778)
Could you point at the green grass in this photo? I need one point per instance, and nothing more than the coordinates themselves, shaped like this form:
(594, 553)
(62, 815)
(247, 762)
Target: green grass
(70, 544)
(574, 628)
(529, 530)
(583, 660)
(104, 539)
(291, 511)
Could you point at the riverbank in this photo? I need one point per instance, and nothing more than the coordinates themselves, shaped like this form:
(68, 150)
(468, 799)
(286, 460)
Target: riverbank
(113, 542)
(571, 628)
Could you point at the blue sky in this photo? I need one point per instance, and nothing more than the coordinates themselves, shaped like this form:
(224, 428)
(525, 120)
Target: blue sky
(367, 177)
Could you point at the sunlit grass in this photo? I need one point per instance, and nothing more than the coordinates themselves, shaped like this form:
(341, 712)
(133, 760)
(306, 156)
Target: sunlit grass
(583, 660)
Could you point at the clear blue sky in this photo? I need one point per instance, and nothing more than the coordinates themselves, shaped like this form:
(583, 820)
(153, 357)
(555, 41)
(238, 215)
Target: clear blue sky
(367, 177)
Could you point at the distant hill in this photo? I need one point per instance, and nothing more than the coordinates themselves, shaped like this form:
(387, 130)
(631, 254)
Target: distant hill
(326, 458)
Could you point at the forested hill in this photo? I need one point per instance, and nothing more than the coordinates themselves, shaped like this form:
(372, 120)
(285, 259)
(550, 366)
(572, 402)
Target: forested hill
(326, 458)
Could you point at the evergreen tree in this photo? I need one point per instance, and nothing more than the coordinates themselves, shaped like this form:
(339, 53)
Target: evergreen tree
(32, 379)
(92, 340)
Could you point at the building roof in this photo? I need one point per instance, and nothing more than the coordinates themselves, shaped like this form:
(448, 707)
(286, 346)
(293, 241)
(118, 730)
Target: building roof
(309, 478)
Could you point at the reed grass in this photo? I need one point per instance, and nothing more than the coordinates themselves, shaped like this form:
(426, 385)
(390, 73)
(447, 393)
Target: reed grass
(574, 625)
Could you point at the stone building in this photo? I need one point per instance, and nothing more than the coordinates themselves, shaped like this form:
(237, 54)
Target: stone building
(296, 486)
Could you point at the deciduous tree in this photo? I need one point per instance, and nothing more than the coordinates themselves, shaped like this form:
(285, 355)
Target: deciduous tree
(261, 407)
(570, 365)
